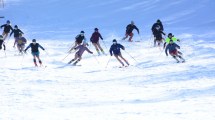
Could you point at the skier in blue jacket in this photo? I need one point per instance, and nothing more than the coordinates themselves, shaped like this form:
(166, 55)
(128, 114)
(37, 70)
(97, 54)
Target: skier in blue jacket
(115, 50)
(172, 47)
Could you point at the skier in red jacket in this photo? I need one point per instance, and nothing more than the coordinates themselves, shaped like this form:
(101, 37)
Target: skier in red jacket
(95, 41)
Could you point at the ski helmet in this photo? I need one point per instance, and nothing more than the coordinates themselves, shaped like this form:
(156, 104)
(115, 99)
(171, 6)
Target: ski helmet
(114, 40)
(158, 21)
(132, 22)
(170, 35)
(15, 26)
(96, 29)
(34, 40)
(82, 31)
(8, 21)
(171, 41)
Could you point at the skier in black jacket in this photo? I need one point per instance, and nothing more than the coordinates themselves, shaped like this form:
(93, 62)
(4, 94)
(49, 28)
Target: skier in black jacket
(78, 40)
(35, 51)
(129, 30)
(158, 36)
(16, 31)
(7, 28)
(159, 25)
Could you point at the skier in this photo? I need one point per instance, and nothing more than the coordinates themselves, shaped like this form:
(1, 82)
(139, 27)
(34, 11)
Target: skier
(115, 49)
(95, 41)
(16, 32)
(129, 30)
(158, 36)
(78, 40)
(158, 25)
(172, 47)
(170, 37)
(35, 51)
(79, 53)
(20, 41)
(7, 28)
(2, 42)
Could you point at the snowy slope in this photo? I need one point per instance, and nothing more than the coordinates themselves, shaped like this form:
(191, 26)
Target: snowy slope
(153, 87)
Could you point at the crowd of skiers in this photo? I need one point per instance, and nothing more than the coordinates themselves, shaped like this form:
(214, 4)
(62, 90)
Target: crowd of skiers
(80, 44)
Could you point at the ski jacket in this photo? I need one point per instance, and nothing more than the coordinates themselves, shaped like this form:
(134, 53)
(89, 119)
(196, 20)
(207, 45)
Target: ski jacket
(34, 47)
(171, 47)
(81, 49)
(130, 28)
(16, 32)
(159, 25)
(173, 39)
(168, 40)
(115, 49)
(79, 38)
(7, 28)
(21, 41)
(95, 37)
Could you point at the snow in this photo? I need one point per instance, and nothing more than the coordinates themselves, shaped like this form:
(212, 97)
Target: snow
(153, 87)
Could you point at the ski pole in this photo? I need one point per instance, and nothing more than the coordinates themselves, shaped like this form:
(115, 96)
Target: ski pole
(130, 55)
(104, 44)
(5, 53)
(71, 47)
(66, 56)
(108, 62)
(22, 59)
(140, 37)
(149, 40)
(96, 59)
(46, 53)
(161, 52)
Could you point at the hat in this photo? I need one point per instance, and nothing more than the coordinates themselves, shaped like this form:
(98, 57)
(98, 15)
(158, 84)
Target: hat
(132, 22)
(96, 29)
(158, 21)
(16, 26)
(171, 41)
(8, 21)
(82, 31)
(34, 40)
(114, 40)
(170, 34)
